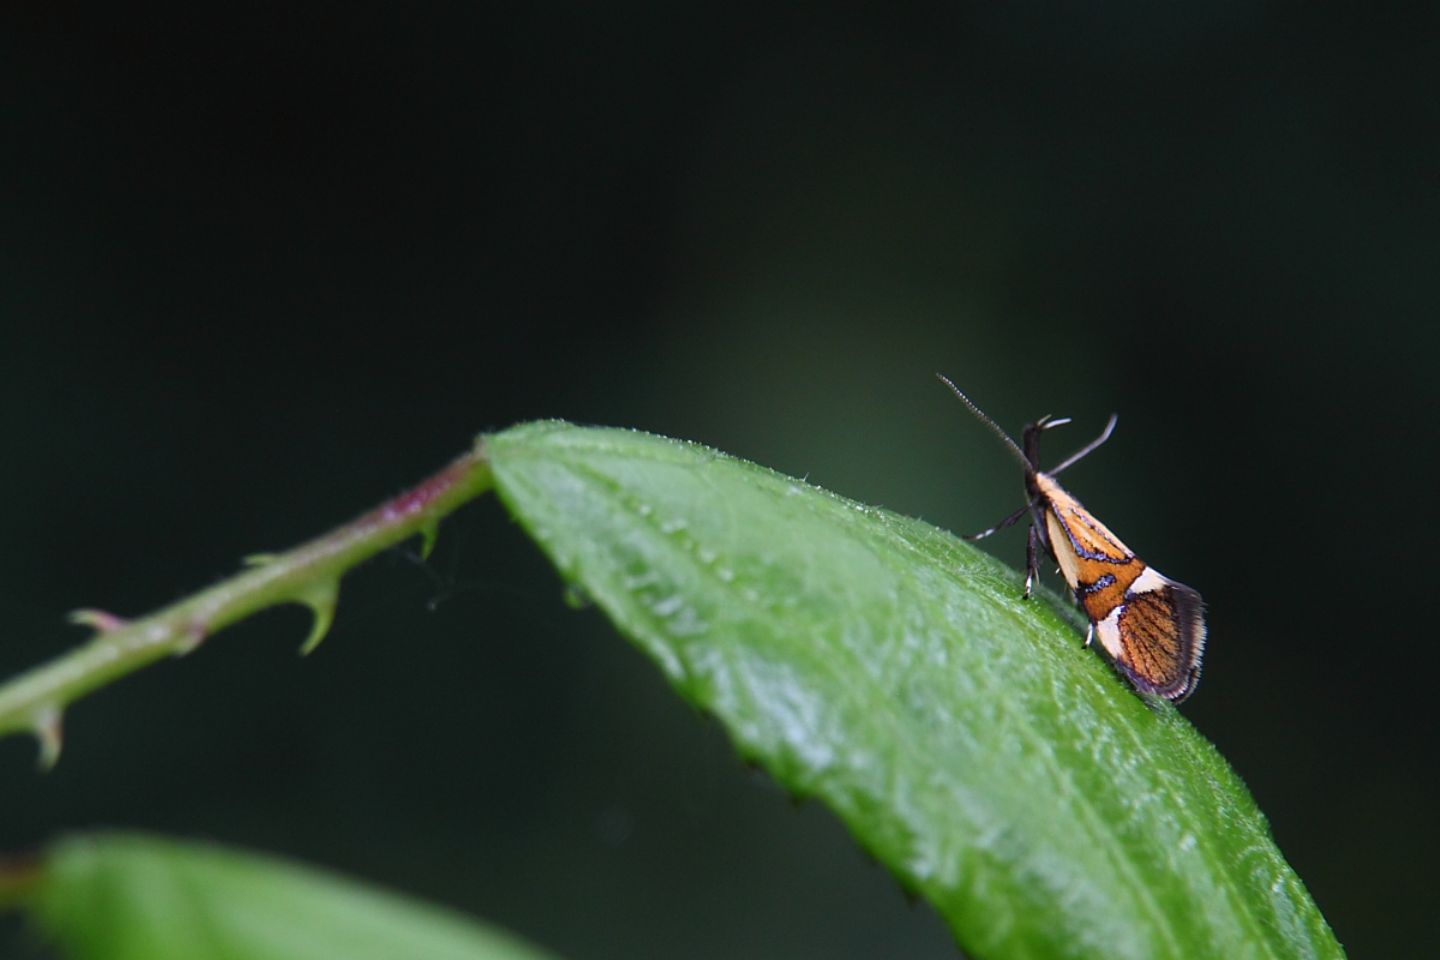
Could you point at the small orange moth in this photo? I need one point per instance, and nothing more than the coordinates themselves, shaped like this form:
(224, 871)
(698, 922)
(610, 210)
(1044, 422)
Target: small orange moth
(1150, 627)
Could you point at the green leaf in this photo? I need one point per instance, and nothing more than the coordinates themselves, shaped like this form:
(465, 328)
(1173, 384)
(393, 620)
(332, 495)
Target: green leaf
(134, 897)
(893, 672)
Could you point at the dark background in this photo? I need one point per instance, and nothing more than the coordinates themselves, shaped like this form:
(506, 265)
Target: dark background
(260, 270)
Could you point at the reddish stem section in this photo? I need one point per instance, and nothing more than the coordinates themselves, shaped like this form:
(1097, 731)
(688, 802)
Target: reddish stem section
(417, 498)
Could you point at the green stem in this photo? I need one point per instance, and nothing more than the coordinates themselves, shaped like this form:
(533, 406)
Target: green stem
(309, 574)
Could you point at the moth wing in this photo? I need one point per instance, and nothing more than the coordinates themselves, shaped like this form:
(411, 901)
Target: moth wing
(1158, 636)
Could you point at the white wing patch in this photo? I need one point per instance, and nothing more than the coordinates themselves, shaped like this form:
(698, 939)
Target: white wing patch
(1108, 630)
(1063, 552)
(1149, 580)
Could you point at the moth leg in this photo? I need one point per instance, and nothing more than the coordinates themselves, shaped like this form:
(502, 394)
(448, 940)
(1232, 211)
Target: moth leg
(1007, 522)
(1090, 634)
(1031, 550)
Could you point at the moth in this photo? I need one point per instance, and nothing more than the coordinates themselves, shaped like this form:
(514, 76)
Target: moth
(1150, 627)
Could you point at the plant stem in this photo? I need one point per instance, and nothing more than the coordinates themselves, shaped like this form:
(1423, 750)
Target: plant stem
(308, 574)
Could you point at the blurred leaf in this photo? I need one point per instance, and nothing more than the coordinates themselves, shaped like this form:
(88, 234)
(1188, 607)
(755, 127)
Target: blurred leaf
(893, 672)
(133, 897)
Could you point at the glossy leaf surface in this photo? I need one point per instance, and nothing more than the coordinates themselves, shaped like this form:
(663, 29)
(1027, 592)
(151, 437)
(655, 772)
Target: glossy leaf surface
(892, 672)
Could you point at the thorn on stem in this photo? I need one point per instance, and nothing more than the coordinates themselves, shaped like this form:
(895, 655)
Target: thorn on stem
(321, 598)
(429, 533)
(188, 641)
(47, 723)
(102, 621)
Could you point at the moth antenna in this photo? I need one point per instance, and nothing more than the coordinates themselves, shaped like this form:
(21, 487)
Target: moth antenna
(994, 427)
(1089, 448)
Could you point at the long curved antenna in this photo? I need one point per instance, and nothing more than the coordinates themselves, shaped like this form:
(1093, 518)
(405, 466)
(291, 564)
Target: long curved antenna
(995, 427)
(1089, 448)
